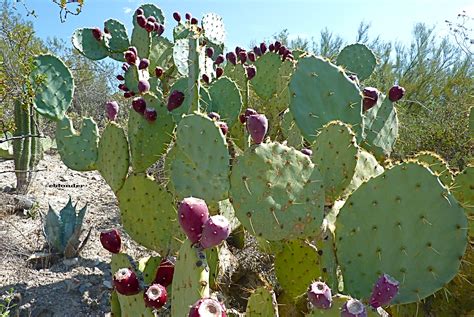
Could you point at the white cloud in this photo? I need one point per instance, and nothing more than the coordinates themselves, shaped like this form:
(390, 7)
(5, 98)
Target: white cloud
(127, 10)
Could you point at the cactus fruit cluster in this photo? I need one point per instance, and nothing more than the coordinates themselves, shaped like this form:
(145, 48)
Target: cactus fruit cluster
(285, 146)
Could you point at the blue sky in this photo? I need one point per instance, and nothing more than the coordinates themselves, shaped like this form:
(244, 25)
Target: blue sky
(248, 21)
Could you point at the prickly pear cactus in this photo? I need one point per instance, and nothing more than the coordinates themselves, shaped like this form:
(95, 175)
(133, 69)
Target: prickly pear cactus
(357, 59)
(262, 303)
(437, 165)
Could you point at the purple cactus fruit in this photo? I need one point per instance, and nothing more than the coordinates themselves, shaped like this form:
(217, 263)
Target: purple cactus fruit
(194, 21)
(106, 30)
(125, 67)
(282, 50)
(385, 289)
(110, 240)
(144, 63)
(141, 20)
(252, 56)
(97, 34)
(209, 52)
(192, 215)
(177, 16)
(130, 57)
(307, 152)
(123, 87)
(257, 51)
(150, 26)
(219, 59)
(353, 308)
(132, 93)
(175, 99)
(396, 93)
(151, 19)
(371, 95)
(207, 307)
(188, 16)
(232, 58)
(214, 116)
(158, 71)
(251, 71)
(257, 126)
(354, 78)
(128, 94)
(215, 230)
(248, 112)
(263, 47)
(150, 114)
(237, 50)
(277, 46)
(223, 126)
(271, 47)
(219, 72)
(126, 282)
(159, 28)
(243, 56)
(111, 110)
(143, 86)
(165, 272)
(139, 11)
(155, 296)
(139, 105)
(133, 49)
(319, 295)
(205, 78)
(120, 77)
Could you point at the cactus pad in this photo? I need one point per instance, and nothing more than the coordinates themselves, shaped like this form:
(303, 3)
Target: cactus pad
(366, 168)
(117, 40)
(148, 214)
(437, 165)
(277, 193)
(321, 92)
(54, 94)
(213, 27)
(161, 53)
(141, 39)
(358, 59)
(87, 45)
(262, 303)
(78, 151)
(148, 266)
(383, 228)
(463, 190)
(200, 166)
(225, 100)
(113, 159)
(290, 131)
(181, 55)
(265, 82)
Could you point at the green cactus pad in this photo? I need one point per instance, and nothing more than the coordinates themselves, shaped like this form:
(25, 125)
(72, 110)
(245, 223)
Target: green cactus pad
(296, 266)
(78, 151)
(148, 266)
(335, 155)
(131, 78)
(380, 128)
(262, 303)
(358, 59)
(437, 165)
(141, 39)
(212, 256)
(149, 140)
(281, 100)
(113, 159)
(403, 223)
(54, 94)
(227, 210)
(191, 279)
(117, 40)
(321, 92)
(87, 45)
(328, 262)
(277, 193)
(200, 166)
(213, 27)
(338, 302)
(237, 74)
(133, 305)
(366, 168)
(471, 122)
(148, 214)
(161, 54)
(463, 190)
(290, 131)
(149, 9)
(115, 304)
(225, 100)
(265, 82)
(182, 86)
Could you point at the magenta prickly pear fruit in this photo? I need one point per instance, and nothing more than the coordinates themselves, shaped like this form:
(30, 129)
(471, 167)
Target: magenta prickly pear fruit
(143, 86)
(130, 57)
(319, 295)
(123, 87)
(353, 308)
(257, 51)
(144, 63)
(207, 307)
(111, 110)
(177, 16)
(371, 95)
(396, 93)
(214, 116)
(354, 79)
(252, 56)
(158, 71)
(126, 282)
(175, 100)
(223, 126)
(133, 49)
(194, 21)
(139, 11)
(124, 67)
(237, 50)
(277, 46)
(141, 20)
(97, 34)
(282, 50)
(193, 214)
(209, 52)
(159, 28)
(151, 19)
(385, 289)
(251, 71)
(164, 274)
(150, 114)
(139, 105)
(263, 47)
(248, 112)
(271, 47)
(110, 240)
(243, 56)
(149, 26)
(307, 152)
(205, 79)
(187, 16)
(257, 125)
(219, 59)
(128, 94)
(215, 230)
(219, 72)
(232, 58)
(155, 296)
(120, 77)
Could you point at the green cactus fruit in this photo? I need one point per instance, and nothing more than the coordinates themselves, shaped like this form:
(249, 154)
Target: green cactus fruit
(296, 266)
(200, 166)
(403, 223)
(380, 128)
(225, 100)
(358, 59)
(131, 305)
(53, 95)
(148, 266)
(78, 151)
(87, 45)
(321, 92)
(265, 82)
(191, 279)
(463, 190)
(437, 165)
(148, 214)
(117, 39)
(149, 140)
(366, 168)
(338, 302)
(277, 193)
(262, 303)
(213, 28)
(113, 159)
(290, 131)
(335, 154)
